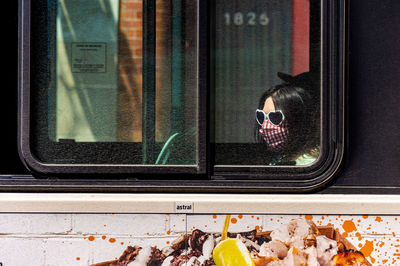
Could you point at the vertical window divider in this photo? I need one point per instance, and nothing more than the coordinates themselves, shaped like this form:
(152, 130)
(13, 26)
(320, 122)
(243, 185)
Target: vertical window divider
(149, 80)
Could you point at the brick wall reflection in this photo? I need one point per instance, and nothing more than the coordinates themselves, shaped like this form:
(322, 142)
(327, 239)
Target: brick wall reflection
(130, 69)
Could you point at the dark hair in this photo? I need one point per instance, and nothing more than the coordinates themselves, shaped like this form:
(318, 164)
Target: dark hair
(302, 116)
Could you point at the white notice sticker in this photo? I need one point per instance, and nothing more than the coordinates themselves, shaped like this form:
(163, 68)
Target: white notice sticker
(88, 57)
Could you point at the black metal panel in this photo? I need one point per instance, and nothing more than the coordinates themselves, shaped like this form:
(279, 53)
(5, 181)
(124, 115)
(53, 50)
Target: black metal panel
(373, 153)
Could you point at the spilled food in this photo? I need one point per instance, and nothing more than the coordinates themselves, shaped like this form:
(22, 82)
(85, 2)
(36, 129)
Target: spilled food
(298, 243)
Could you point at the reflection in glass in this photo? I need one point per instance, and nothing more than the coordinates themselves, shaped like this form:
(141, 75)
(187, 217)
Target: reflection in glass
(254, 41)
(98, 92)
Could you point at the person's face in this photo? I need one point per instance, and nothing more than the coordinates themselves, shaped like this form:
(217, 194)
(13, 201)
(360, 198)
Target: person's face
(268, 105)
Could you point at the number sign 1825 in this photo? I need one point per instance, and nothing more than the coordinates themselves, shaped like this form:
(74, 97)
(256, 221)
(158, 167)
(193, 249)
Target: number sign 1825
(249, 19)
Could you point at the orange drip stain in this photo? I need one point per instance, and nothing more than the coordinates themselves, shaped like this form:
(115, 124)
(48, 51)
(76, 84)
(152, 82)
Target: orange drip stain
(91, 238)
(77, 258)
(372, 260)
(378, 219)
(349, 226)
(393, 234)
(215, 216)
(384, 261)
(365, 216)
(112, 240)
(240, 216)
(257, 227)
(233, 220)
(367, 248)
(308, 217)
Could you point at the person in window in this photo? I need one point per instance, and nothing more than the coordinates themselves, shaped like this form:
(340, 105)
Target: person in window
(287, 120)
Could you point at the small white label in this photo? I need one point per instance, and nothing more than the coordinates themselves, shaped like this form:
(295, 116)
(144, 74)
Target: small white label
(184, 207)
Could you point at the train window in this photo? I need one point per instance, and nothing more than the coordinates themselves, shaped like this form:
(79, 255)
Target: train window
(230, 90)
(267, 88)
(117, 84)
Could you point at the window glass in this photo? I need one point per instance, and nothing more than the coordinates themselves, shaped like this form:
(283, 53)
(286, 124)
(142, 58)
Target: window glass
(266, 83)
(120, 76)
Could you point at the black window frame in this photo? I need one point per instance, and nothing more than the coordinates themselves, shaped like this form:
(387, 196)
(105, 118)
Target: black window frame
(206, 176)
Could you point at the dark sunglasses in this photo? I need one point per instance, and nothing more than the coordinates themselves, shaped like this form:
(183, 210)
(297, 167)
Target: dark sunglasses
(275, 117)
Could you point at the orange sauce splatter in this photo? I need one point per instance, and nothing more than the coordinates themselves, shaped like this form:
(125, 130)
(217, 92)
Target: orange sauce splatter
(378, 219)
(258, 218)
(91, 238)
(168, 232)
(103, 237)
(372, 260)
(167, 242)
(365, 216)
(112, 240)
(359, 236)
(77, 258)
(257, 227)
(215, 216)
(233, 220)
(345, 234)
(122, 243)
(240, 216)
(349, 226)
(367, 248)
(360, 245)
(308, 217)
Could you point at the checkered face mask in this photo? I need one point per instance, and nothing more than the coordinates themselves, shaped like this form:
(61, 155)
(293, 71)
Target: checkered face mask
(275, 136)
